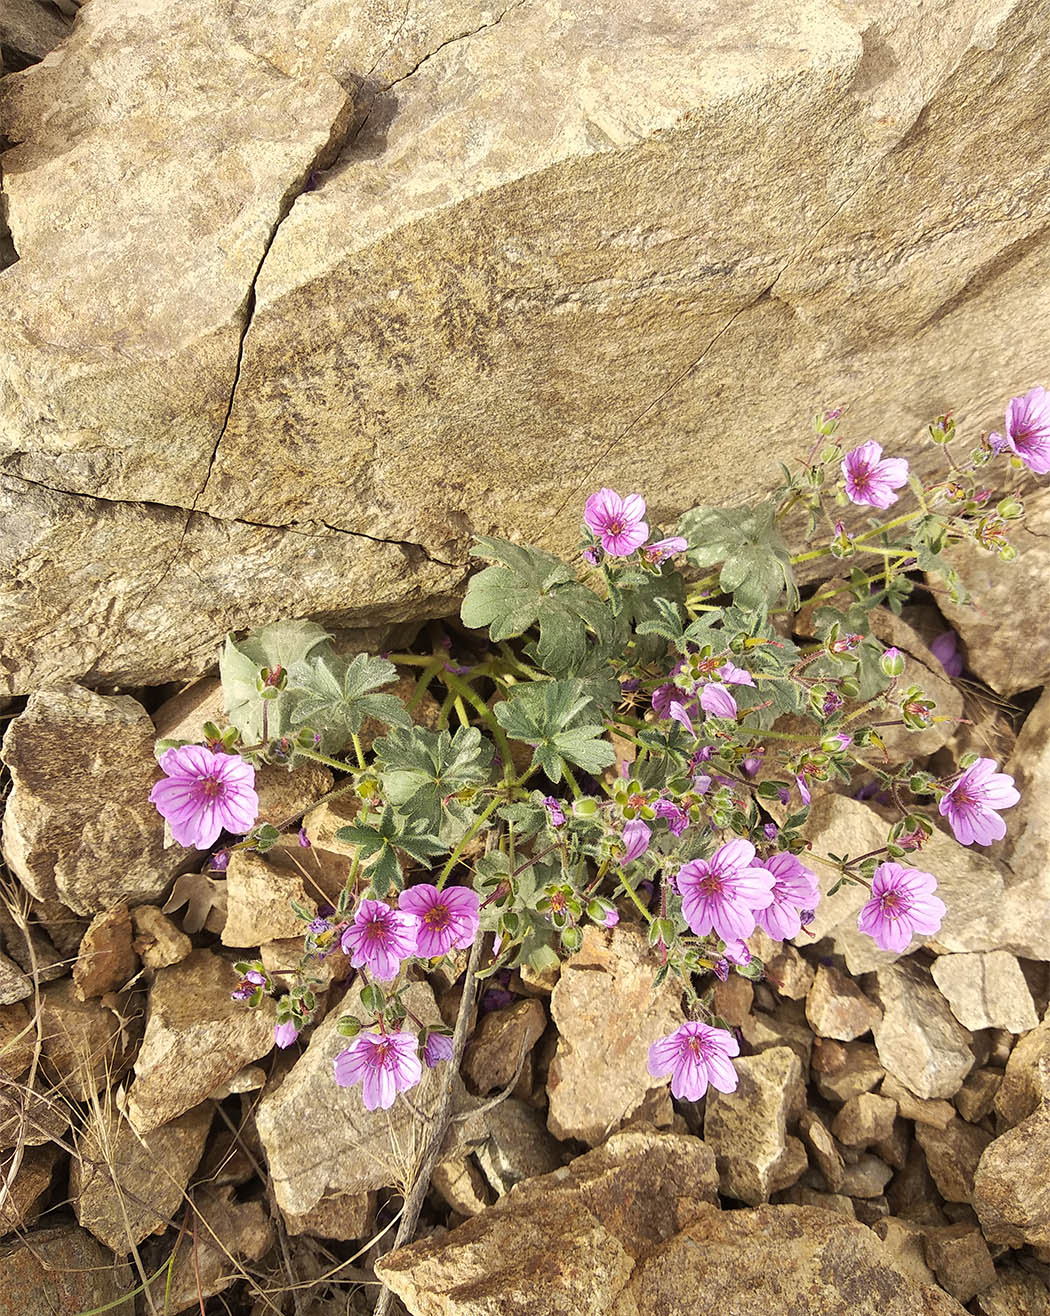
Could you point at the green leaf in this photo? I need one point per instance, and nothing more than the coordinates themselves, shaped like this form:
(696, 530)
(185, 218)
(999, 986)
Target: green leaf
(550, 715)
(756, 561)
(421, 768)
(284, 644)
(334, 695)
(377, 846)
(533, 588)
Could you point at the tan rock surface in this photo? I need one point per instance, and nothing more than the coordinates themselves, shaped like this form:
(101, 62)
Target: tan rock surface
(196, 1038)
(25, 1192)
(501, 1045)
(918, 1039)
(455, 278)
(125, 1187)
(1011, 1190)
(605, 1208)
(158, 942)
(106, 960)
(259, 901)
(88, 1045)
(61, 1272)
(599, 1074)
(837, 1008)
(778, 1259)
(102, 842)
(953, 1154)
(986, 990)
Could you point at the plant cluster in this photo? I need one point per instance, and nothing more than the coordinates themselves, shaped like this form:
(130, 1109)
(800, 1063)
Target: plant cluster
(611, 744)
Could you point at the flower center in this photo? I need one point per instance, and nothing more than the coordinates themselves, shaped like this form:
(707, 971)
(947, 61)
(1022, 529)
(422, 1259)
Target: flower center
(376, 931)
(380, 1054)
(437, 918)
(962, 798)
(710, 885)
(894, 904)
(615, 528)
(558, 902)
(211, 787)
(694, 1045)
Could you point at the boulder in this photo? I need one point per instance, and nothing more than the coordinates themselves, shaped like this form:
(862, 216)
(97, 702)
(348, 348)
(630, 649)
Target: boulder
(599, 1075)
(501, 1045)
(1011, 1188)
(306, 254)
(106, 960)
(87, 1045)
(62, 1272)
(103, 842)
(837, 1008)
(196, 1037)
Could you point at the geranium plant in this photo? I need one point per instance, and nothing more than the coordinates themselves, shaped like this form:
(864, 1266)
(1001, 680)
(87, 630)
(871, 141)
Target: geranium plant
(610, 744)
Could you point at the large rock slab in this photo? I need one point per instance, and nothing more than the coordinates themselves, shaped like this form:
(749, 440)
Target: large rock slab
(302, 344)
(602, 1211)
(78, 826)
(196, 1038)
(785, 1259)
(599, 1075)
(918, 1039)
(1011, 1189)
(62, 1272)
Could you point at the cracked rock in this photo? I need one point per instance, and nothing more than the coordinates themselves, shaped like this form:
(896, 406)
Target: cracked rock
(986, 990)
(918, 1039)
(837, 1008)
(1011, 1188)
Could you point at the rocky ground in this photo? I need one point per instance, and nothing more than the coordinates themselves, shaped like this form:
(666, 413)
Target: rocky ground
(886, 1150)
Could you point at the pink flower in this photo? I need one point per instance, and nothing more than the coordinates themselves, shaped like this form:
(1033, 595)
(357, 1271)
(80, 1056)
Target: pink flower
(696, 1056)
(677, 713)
(383, 1063)
(902, 902)
(945, 648)
(555, 813)
(721, 894)
(794, 888)
(611, 919)
(871, 478)
(636, 837)
(735, 675)
(285, 1034)
(618, 522)
(380, 938)
(716, 700)
(663, 549)
(677, 818)
(204, 793)
(438, 1047)
(447, 919)
(1028, 430)
(970, 806)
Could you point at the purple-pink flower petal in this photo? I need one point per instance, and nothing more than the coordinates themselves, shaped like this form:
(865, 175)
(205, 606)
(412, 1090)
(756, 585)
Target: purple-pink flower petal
(871, 478)
(447, 919)
(696, 1056)
(204, 793)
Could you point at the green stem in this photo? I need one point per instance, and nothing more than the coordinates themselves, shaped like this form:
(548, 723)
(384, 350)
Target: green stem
(458, 686)
(468, 836)
(637, 900)
(573, 784)
(312, 754)
(358, 750)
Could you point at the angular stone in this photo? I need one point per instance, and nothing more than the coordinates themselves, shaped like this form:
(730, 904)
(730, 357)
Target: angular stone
(837, 1008)
(25, 1192)
(258, 901)
(125, 1187)
(17, 1040)
(501, 1045)
(798, 1195)
(14, 984)
(1011, 1189)
(865, 1120)
(918, 1039)
(986, 990)
(87, 1045)
(107, 959)
(28, 30)
(518, 1146)
(733, 1000)
(102, 842)
(599, 1075)
(961, 1260)
(1027, 840)
(319, 1138)
(196, 1038)
(1026, 1082)
(62, 1272)
(345, 1216)
(842, 1072)
(605, 1209)
(939, 1114)
(1016, 1292)
(1004, 637)
(906, 1242)
(158, 942)
(777, 1259)
(461, 1186)
(976, 1097)
(747, 1129)
(823, 1149)
(894, 1148)
(866, 1177)
(762, 1031)
(788, 973)
(953, 1155)
(34, 1116)
(227, 1228)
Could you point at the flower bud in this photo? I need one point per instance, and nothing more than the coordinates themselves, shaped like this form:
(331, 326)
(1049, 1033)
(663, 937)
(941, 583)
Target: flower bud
(1007, 552)
(571, 938)
(373, 998)
(586, 807)
(348, 1026)
(892, 661)
(1010, 509)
